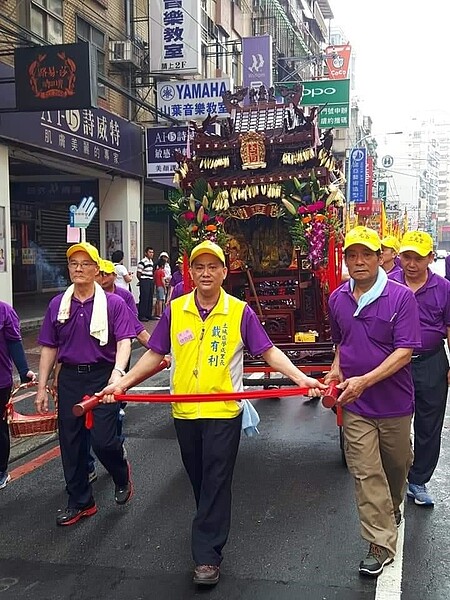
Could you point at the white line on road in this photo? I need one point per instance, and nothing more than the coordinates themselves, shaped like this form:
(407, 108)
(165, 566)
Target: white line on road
(389, 583)
(150, 388)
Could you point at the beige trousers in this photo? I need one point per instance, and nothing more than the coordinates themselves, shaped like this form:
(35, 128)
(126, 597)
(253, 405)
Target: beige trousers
(379, 455)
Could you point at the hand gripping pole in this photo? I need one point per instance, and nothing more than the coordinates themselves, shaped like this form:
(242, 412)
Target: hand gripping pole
(329, 400)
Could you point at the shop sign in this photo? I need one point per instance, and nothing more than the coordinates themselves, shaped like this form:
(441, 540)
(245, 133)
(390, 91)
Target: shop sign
(338, 61)
(161, 145)
(91, 135)
(175, 34)
(320, 91)
(48, 192)
(257, 61)
(190, 100)
(55, 77)
(357, 180)
(334, 115)
(28, 256)
(382, 190)
(155, 211)
(82, 215)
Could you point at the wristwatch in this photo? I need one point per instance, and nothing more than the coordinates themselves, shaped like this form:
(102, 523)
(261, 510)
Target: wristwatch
(121, 371)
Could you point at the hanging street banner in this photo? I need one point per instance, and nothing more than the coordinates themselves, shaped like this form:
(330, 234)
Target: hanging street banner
(357, 179)
(175, 37)
(257, 61)
(338, 61)
(191, 100)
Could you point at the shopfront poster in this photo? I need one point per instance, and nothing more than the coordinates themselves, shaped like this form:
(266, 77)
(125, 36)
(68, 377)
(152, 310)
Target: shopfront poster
(133, 243)
(113, 237)
(2, 240)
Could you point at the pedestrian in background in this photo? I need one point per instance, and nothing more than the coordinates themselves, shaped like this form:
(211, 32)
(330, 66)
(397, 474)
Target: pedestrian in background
(447, 267)
(430, 367)
(11, 351)
(206, 332)
(144, 273)
(375, 326)
(160, 286)
(89, 332)
(389, 252)
(124, 277)
(177, 277)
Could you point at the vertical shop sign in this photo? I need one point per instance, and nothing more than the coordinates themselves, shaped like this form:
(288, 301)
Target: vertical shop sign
(357, 180)
(175, 29)
(133, 244)
(338, 61)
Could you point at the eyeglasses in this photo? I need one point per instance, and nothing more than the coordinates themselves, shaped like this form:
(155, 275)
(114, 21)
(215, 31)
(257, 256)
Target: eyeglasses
(73, 264)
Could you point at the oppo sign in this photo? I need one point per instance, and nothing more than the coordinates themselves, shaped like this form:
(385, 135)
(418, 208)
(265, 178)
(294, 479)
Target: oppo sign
(324, 91)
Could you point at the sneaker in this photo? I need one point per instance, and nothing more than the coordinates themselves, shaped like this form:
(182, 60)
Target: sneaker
(206, 574)
(377, 558)
(70, 516)
(4, 478)
(420, 494)
(92, 476)
(398, 517)
(123, 493)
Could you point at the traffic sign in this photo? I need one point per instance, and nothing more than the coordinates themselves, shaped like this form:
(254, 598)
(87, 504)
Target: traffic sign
(387, 161)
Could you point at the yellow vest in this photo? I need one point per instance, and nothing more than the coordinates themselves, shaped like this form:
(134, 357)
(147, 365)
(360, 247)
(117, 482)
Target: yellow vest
(207, 356)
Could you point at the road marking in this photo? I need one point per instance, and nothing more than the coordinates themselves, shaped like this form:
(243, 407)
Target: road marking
(389, 583)
(34, 464)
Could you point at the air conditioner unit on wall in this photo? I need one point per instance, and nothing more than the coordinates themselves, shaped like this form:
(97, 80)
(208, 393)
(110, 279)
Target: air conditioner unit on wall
(125, 53)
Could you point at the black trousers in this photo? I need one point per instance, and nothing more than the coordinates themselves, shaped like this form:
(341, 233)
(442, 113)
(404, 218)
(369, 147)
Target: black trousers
(431, 389)
(5, 445)
(73, 435)
(145, 307)
(208, 450)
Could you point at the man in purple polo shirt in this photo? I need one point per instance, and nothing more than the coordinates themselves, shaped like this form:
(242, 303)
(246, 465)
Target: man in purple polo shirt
(89, 332)
(389, 251)
(208, 432)
(375, 325)
(11, 351)
(430, 368)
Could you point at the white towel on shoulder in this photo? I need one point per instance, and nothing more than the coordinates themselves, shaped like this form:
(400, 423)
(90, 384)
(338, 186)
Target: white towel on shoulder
(98, 326)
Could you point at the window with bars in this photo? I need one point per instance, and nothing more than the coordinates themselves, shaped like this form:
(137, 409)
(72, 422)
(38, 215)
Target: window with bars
(88, 33)
(46, 20)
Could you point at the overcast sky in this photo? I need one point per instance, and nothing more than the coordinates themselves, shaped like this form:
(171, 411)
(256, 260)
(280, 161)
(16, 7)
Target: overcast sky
(402, 50)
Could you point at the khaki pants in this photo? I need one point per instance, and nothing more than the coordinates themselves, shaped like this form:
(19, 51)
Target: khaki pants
(379, 455)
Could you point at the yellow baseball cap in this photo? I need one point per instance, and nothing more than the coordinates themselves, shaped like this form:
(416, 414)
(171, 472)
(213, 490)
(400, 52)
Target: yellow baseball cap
(417, 241)
(363, 235)
(106, 266)
(84, 247)
(390, 241)
(207, 247)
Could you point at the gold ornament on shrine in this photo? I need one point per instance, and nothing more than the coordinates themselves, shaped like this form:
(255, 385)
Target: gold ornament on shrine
(253, 151)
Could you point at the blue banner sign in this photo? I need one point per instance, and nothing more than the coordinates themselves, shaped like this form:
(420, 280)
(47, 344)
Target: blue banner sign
(357, 180)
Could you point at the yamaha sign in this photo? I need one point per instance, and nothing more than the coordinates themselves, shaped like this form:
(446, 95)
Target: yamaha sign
(191, 100)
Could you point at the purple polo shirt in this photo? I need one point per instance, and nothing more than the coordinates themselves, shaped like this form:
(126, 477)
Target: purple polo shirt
(177, 277)
(365, 341)
(447, 267)
(178, 291)
(393, 272)
(433, 299)
(72, 338)
(129, 301)
(9, 331)
(254, 336)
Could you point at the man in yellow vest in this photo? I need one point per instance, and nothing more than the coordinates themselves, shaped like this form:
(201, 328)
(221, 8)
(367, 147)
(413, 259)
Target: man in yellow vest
(206, 332)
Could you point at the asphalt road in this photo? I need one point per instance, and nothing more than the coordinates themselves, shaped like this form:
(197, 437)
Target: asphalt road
(294, 536)
(295, 532)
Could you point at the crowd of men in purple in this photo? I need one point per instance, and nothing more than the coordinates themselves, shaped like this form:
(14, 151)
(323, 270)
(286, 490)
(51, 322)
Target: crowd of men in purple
(389, 323)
